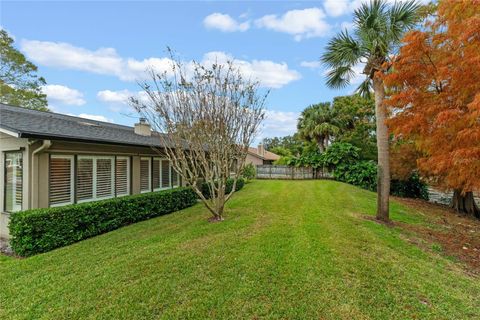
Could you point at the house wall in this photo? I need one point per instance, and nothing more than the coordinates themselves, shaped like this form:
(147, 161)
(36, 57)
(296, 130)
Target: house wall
(36, 168)
(10, 143)
(253, 160)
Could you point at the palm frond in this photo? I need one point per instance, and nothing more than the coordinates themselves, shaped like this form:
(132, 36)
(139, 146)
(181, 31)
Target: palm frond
(365, 88)
(342, 49)
(403, 16)
(340, 77)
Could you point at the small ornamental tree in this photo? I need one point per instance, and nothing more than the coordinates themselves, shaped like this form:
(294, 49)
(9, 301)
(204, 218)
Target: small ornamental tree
(436, 99)
(209, 116)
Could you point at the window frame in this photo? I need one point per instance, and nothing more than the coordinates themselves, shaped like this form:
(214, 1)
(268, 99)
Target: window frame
(5, 153)
(72, 179)
(94, 177)
(149, 159)
(129, 176)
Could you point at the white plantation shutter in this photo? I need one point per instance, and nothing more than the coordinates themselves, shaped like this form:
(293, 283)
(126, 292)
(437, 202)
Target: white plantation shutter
(61, 180)
(85, 178)
(175, 182)
(165, 174)
(156, 174)
(95, 178)
(145, 175)
(104, 178)
(122, 176)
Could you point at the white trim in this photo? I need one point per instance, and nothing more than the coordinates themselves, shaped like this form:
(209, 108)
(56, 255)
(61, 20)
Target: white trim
(10, 133)
(72, 180)
(94, 177)
(128, 175)
(149, 159)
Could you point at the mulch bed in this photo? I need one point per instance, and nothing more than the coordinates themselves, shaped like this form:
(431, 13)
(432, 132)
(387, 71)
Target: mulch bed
(458, 235)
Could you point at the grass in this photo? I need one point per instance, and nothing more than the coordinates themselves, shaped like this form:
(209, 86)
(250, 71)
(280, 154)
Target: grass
(289, 250)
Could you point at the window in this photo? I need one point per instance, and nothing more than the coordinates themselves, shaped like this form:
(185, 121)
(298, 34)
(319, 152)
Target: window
(84, 179)
(175, 180)
(145, 174)
(61, 180)
(95, 178)
(122, 176)
(13, 181)
(156, 164)
(165, 174)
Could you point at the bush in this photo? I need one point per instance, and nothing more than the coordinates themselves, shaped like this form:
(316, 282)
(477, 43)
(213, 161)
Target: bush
(40, 230)
(340, 153)
(249, 172)
(411, 188)
(362, 174)
(228, 187)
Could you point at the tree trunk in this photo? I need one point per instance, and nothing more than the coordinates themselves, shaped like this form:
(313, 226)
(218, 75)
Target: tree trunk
(465, 203)
(383, 174)
(320, 144)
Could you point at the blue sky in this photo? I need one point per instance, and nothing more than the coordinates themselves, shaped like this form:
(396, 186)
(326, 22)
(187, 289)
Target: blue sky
(92, 52)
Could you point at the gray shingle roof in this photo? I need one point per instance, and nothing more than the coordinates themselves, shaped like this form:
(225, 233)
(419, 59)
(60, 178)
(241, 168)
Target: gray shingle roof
(49, 125)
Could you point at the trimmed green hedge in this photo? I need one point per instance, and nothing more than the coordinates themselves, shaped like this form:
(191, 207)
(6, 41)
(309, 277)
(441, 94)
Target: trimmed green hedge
(40, 230)
(228, 187)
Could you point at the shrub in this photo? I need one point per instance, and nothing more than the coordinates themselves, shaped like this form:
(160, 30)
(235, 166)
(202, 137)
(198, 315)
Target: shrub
(340, 153)
(411, 188)
(362, 174)
(40, 230)
(228, 187)
(249, 172)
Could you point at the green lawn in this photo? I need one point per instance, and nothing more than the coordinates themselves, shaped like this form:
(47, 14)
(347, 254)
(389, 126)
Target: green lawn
(289, 250)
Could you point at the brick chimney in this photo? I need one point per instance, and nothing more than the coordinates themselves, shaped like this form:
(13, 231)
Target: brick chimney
(143, 128)
(261, 150)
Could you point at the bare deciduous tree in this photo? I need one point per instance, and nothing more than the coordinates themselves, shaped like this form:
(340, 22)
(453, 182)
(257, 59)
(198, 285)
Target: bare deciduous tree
(209, 116)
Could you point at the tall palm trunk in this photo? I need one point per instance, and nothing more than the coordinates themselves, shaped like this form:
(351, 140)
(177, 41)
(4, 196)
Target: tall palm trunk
(383, 178)
(320, 144)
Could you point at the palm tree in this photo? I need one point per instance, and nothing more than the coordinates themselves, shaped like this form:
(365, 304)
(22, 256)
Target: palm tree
(377, 30)
(317, 123)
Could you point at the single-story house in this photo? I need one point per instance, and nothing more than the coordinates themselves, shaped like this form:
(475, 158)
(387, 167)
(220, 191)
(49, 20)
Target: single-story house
(260, 156)
(49, 159)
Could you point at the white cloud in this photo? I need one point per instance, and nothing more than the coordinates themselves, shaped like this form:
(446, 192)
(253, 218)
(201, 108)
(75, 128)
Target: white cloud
(311, 64)
(65, 55)
(94, 117)
(225, 23)
(337, 8)
(106, 61)
(270, 74)
(302, 24)
(114, 96)
(279, 124)
(62, 94)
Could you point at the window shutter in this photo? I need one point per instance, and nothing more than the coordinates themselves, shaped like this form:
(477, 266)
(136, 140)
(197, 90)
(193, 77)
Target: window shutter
(174, 178)
(104, 177)
(85, 179)
(156, 174)
(165, 174)
(145, 174)
(61, 180)
(122, 176)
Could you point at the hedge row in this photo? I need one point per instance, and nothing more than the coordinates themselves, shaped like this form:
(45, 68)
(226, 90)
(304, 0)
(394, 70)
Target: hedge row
(228, 187)
(40, 230)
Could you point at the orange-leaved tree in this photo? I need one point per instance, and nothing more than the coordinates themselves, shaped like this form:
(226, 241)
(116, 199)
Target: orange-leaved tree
(435, 98)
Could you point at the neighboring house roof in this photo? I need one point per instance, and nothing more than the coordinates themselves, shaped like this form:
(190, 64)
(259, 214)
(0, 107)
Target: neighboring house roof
(268, 155)
(27, 123)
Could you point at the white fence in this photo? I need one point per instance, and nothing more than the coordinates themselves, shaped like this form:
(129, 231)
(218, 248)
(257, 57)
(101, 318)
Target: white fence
(291, 173)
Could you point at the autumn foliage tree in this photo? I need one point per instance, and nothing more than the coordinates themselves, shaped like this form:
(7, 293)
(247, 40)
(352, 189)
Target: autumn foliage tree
(435, 98)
